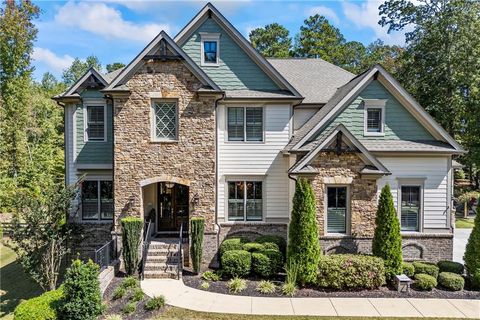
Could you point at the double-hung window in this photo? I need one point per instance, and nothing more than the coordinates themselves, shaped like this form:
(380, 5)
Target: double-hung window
(245, 124)
(337, 209)
(245, 200)
(95, 118)
(97, 200)
(165, 120)
(374, 122)
(210, 49)
(410, 207)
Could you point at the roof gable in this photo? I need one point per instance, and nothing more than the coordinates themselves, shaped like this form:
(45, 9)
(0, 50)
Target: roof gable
(90, 79)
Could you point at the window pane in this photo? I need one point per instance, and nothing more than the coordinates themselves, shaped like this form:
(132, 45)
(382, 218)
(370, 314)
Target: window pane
(410, 208)
(235, 124)
(95, 122)
(106, 199)
(374, 120)
(254, 127)
(90, 200)
(337, 209)
(210, 51)
(236, 201)
(254, 201)
(165, 120)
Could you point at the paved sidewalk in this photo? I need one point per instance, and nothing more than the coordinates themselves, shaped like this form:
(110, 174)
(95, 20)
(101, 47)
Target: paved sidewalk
(460, 240)
(179, 295)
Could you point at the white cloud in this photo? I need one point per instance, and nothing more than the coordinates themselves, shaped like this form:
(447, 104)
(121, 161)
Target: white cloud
(324, 11)
(54, 62)
(106, 21)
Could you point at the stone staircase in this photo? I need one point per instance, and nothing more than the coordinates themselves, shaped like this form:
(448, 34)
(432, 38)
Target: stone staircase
(162, 260)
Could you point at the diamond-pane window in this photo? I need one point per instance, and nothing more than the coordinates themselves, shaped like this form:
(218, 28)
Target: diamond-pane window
(165, 120)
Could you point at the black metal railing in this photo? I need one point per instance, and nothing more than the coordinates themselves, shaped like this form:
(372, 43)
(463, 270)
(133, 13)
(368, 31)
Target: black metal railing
(180, 258)
(106, 254)
(145, 244)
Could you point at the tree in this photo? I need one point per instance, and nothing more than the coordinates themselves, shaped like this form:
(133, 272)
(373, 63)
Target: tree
(40, 232)
(114, 66)
(472, 251)
(273, 40)
(388, 56)
(78, 68)
(353, 56)
(387, 240)
(303, 241)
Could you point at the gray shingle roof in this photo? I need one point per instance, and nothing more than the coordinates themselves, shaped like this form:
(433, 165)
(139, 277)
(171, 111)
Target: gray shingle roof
(258, 94)
(111, 75)
(406, 146)
(315, 79)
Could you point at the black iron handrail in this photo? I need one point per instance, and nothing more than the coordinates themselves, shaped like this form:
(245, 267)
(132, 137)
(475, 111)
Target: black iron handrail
(180, 258)
(145, 245)
(106, 253)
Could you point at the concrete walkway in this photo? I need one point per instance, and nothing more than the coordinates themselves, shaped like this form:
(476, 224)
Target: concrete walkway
(460, 240)
(179, 295)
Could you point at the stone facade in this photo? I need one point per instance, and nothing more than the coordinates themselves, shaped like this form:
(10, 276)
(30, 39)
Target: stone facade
(88, 237)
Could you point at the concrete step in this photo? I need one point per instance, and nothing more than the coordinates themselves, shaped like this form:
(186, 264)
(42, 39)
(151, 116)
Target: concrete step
(162, 252)
(160, 275)
(161, 245)
(160, 258)
(164, 267)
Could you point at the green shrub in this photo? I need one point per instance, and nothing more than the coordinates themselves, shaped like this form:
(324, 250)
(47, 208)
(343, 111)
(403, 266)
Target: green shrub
(205, 285)
(131, 239)
(43, 307)
(347, 271)
(472, 251)
(475, 279)
(425, 282)
(408, 269)
(272, 246)
(289, 289)
(275, 257)
(236, 263)
(130, 282)
(303, 245)
(130, 308)
(387, 240)
(81, 292)
(278, 240)
(450, 266)
(261, 265)
(253, 246)
(266, 287)
(292, 272)
(426, 268)
(210, 276)
(119, 293)
(451, 281)
(232, 244)
(197, 229)
(137, 295)
(155, 303)
(237, 285)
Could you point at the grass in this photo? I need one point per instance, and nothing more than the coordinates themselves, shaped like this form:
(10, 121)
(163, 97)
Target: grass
(464, 223)
(15, 285)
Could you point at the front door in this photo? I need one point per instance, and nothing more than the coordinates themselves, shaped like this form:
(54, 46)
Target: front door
(172, 206)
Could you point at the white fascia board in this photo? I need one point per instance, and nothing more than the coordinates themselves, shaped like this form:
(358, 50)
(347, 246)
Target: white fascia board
(88, 73)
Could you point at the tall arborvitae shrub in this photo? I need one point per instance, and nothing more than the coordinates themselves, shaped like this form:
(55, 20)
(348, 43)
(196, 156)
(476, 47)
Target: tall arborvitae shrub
(197, 229)
(82, 299)
(131, 239)
(303, 242)
(387, 241)
(472, 252)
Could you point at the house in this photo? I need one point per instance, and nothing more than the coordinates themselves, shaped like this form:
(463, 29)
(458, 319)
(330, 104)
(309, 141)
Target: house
(203, 125)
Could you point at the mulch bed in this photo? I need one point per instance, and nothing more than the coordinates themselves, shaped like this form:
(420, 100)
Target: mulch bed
(387, 291)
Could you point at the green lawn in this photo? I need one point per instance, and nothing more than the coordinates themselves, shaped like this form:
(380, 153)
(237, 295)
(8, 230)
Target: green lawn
(15, 285)
(464, 223)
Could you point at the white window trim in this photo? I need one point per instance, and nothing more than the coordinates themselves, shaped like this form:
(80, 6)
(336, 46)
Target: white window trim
(209, 37)
(245, 179)
(374, 104)
(99, 219)
(153, 124)
(348, 228)
(85, 120)
(245, 123)
(414, 182)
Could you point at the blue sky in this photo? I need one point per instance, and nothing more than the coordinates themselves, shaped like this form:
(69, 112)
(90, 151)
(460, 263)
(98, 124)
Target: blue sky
(116, 30)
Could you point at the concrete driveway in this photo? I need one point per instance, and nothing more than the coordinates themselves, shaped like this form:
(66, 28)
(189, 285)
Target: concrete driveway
(459, 243)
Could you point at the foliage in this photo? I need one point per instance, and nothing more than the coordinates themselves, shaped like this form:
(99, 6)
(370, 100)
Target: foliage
(231, 244)
(468, 196)
(304, 245)
(253, 247)
(236, 263)
(210, 276)
(79, 68)
(426, 268)
(425, 282)
(130, 307)
(204, 285)
(290, 286)
(130, 282)
(266, 287)
(273, 40)
(276, 259)
(472, 251)
(155, 303)
(114, 66)
(408, 269)
(119, 293)
(451, 281)
(137, 295)
(289, 289)
(43, 307)
(197, 229)
(387, 241)
(347, 271)
(475, 279)
(81, 292)
(271, 246)
(131, 239)
(450, 266)
(236, 285)
(278, 240)
(262, 265)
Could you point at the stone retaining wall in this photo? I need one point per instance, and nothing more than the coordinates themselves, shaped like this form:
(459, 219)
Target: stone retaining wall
(88, 237)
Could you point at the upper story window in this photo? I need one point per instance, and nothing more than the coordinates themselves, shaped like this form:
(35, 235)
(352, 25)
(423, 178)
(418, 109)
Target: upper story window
(245, 124)
(94, 120)
(374, 117)
(165, 120)
(97, 200)
(210, 49)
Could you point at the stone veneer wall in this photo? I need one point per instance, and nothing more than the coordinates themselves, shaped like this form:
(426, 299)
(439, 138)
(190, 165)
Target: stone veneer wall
(88, 237)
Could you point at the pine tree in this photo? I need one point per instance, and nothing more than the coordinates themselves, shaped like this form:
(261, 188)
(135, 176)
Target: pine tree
(387, 241)
(472, 251)
(303, 242)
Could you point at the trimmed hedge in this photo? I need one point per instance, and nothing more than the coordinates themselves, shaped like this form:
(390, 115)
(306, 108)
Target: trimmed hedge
(425, 282)
(451, 281)
(197, 230)
(236, 263)
(43, 307)
(261, 264)
(278, 240)
(275, 257)
(408, 269)
(450, 266)
(347, 271)
(131, 239)
(271, 245)
(426, 268)
(253, 247)
(232, 244)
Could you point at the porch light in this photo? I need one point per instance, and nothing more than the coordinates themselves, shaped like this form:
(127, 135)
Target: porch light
(196, 199)
(169, 185)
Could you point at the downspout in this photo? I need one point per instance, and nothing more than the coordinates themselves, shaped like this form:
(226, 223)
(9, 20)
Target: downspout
(216, 170)
(114, 231)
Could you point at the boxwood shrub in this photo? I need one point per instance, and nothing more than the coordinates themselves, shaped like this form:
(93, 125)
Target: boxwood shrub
(275, 257)
(271, 245)
(261, 265)
(43, 307)
(408, 269)
(253, 246)
(450, 266)
(425, 282)
(232, 244)
(236, 263)
(426, 268)
(278, 240)
(347, 271)
(451, 281)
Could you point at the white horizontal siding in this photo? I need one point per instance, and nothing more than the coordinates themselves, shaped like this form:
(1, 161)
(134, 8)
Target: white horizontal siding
(435, 170)
(258, 160)
(302, 115)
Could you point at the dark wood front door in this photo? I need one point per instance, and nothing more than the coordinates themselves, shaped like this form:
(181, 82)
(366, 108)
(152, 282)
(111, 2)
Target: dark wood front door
(172, 206)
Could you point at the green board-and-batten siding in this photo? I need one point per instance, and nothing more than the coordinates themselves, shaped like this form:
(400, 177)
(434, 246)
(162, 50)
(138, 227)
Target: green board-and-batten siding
(400, 124)
(236, 71)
